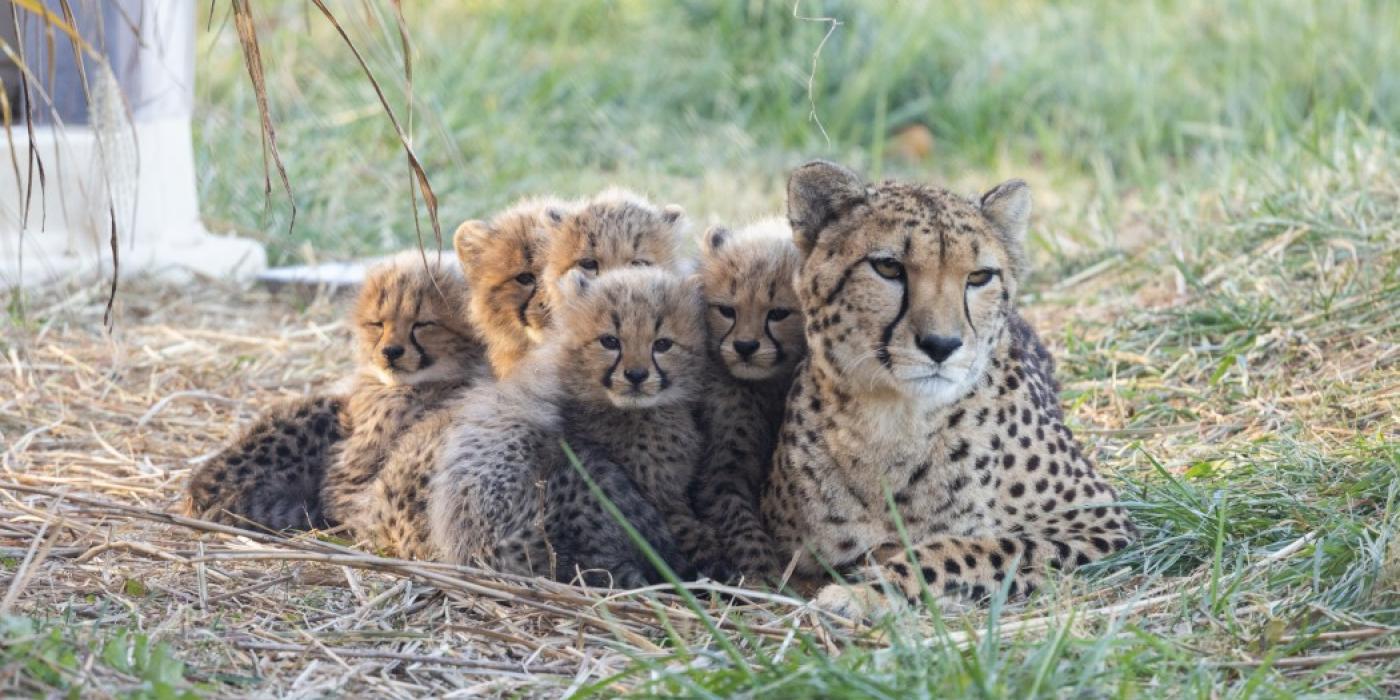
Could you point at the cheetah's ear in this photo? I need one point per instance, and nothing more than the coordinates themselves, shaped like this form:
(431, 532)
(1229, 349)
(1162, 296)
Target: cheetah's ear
(553, 216)
(672, 214)
(466, 241)
(572, 287)
(818, 193)
(715, 238)
(1008, 207)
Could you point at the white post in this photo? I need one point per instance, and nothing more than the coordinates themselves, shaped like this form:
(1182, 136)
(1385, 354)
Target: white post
(127, 152)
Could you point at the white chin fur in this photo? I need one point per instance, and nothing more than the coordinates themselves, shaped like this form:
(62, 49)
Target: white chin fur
(438, 371)
(941, 389)
(751, 372)
(631, 401)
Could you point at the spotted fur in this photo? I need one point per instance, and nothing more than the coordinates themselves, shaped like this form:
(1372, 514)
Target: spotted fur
(506, 495)
(270, 475)
(925, 386)
(635, 340)
(755, 335)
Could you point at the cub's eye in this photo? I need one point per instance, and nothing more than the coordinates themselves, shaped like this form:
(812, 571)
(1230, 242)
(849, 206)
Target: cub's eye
(610, 342)
(589, 264)
(662, 345)
(889, 268)
(778, 314)
(725, 311)
(423, 324)
(525, 279)
(374, 324)
(980, 277)
(641, 263)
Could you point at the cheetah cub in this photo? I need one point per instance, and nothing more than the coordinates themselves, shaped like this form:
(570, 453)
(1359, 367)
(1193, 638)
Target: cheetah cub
(276, 473)
(755, 335)
(615, 229)
(635, 339)
(505, 260)
(417, 349)
(926, 388)
(505, 494)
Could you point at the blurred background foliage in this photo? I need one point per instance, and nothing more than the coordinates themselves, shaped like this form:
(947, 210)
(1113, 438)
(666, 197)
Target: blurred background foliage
(707, 103)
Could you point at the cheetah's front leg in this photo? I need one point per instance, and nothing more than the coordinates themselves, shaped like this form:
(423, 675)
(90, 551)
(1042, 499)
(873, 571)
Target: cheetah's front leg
(967, 567)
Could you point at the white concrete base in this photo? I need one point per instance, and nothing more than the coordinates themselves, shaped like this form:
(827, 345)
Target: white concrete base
(145, 177)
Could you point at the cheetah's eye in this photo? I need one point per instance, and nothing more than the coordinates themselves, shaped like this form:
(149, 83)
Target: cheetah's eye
(610, 342)
(525, 279)
(589, 264)
(889, 268)
(981, 277)
(423, 324)
(778, 314)
(641, 263)
(374, 324)
(725, 311)
(662, 345)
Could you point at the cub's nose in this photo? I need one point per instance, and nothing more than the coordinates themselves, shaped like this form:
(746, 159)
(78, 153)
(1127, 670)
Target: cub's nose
(939, 347)
(392, 352)
(745, 348)
(636, 375)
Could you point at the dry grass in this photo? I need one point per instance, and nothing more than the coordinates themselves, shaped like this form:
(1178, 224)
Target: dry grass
(1243, 393)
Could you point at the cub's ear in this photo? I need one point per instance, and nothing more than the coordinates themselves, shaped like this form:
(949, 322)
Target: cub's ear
(572, 288)
(714, 239)
(1008, 207)
(467, 241)
(553, 216)
(818, 193)
(672, 214)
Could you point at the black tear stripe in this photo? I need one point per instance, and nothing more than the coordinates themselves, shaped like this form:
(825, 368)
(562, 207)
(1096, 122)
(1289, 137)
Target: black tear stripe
(525, 305)
(732, 325)
(660, 373)
(884, 352)
(608, 375)
(841, 284)
(427, 360)
(777, 359)
(968, 314)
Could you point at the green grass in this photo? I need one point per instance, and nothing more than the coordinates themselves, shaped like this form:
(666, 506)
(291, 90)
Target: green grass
(1227, 171)
(57, 659)
(707, 103)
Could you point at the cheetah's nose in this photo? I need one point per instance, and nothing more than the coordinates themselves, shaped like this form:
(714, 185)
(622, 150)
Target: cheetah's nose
(939, 347)
(636, 375)
(392, 352)
(745, 348)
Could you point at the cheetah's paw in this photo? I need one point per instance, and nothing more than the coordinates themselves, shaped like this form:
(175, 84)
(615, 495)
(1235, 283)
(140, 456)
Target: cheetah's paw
(860, 601)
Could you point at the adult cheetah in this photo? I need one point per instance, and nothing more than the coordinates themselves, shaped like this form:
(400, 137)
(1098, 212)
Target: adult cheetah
(923, 388)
